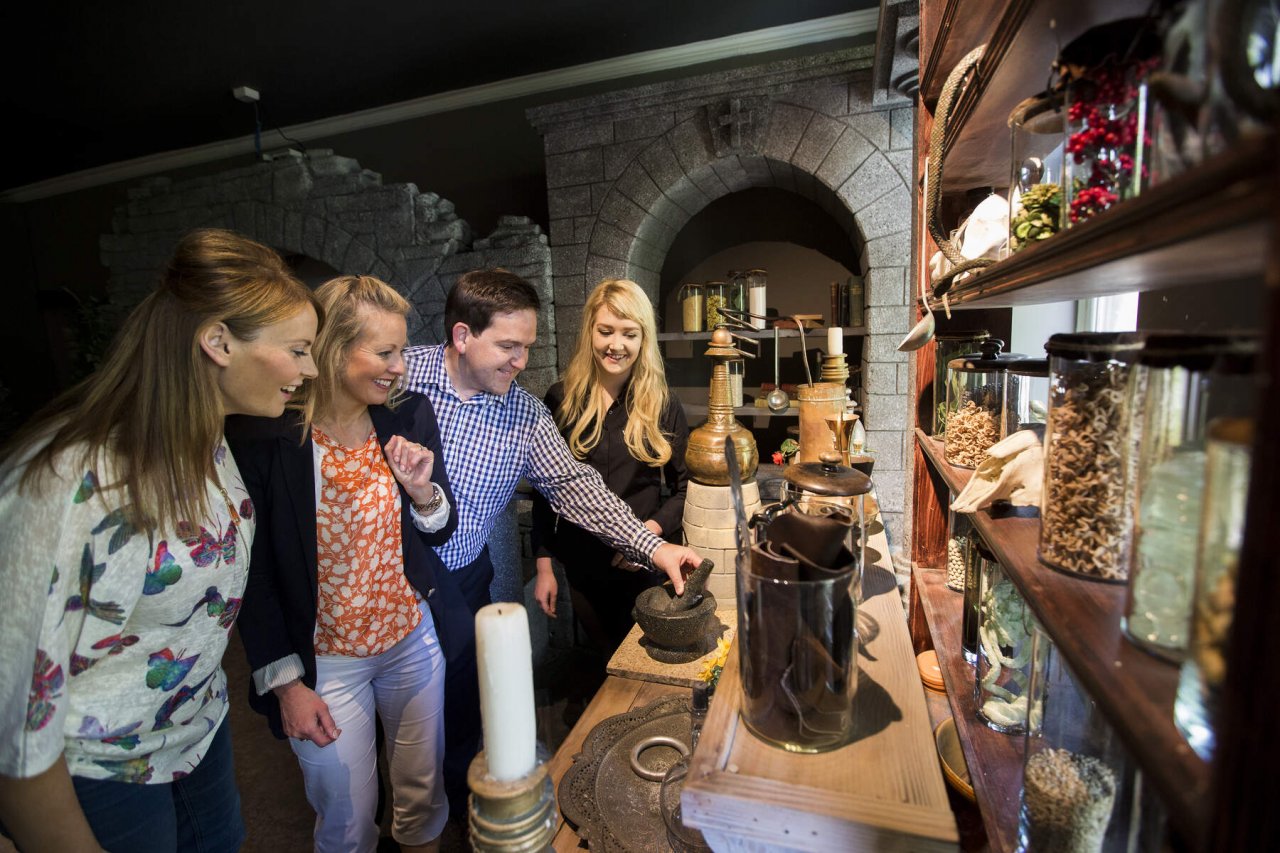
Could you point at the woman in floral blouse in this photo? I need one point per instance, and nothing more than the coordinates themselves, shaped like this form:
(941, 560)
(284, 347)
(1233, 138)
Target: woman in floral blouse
(349, 613)
(125, 531)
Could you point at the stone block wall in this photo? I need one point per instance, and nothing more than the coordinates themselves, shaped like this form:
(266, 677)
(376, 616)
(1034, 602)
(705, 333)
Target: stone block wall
(329, 208)
(627, 170)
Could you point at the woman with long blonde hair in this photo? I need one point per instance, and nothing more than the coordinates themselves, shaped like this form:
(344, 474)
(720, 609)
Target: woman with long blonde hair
(125, 530)
(617, 415)
(356, 623)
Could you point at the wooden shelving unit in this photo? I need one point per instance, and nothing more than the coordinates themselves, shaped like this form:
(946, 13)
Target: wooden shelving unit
(1217, 223)
(1133, 689)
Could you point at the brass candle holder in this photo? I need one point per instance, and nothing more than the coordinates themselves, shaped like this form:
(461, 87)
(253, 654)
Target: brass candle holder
(835, 368)
(510, 816)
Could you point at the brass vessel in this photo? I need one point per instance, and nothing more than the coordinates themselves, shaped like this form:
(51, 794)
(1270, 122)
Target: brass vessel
(705, 455)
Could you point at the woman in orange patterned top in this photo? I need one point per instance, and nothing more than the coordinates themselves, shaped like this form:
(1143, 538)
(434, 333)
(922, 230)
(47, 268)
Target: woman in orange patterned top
(348, 612)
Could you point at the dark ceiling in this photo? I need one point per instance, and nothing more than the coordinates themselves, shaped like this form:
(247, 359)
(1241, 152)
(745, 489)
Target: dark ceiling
(96, 83)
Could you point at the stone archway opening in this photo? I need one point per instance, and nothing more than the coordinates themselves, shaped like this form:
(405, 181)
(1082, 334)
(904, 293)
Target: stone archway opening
(628, 171)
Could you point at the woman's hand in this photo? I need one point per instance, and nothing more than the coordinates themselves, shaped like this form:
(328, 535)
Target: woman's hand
(304, 715)
(412, 465)
(545, 587)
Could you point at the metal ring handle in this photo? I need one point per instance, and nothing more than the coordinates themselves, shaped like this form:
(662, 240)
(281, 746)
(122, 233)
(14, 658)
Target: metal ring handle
(656, 740)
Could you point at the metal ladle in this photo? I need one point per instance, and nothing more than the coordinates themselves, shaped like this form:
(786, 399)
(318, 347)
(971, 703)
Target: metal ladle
(777, 399)
(923, 330)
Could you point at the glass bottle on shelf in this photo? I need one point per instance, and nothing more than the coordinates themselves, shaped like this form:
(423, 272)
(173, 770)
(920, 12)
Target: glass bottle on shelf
(736, 369)
(1180, 382)
(1080, 790)
(1026, 397)
(735, 297)
(1229, 456)
(757, 296)
(976, 417)
(716, 299)
(959, 538)
(1035, 183)
(693, 307)
(1108, 140)
(949, 345)
(971, 608)
(1085, 522)
(1004, 648)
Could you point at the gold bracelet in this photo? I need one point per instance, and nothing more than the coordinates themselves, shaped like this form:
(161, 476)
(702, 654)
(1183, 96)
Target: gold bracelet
(437, 498)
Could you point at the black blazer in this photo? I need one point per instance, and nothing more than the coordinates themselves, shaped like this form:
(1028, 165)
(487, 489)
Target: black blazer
(278, 616)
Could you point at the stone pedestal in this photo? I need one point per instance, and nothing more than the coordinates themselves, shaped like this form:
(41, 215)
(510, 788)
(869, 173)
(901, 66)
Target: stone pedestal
(709, 529)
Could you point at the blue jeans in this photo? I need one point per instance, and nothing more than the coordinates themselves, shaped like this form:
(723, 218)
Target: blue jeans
(200, 812)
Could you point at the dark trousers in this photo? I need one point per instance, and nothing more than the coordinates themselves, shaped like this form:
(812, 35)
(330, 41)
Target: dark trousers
(199, 812)
(462, 693)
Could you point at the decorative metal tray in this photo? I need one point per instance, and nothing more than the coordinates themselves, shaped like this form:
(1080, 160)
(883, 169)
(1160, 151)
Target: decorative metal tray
(612, 808)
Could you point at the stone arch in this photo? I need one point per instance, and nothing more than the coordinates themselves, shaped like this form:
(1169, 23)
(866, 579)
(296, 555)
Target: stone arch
(626, 172)
(331, 209)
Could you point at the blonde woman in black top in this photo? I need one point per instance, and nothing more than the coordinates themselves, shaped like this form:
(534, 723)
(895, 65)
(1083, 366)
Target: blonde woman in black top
(617, 415)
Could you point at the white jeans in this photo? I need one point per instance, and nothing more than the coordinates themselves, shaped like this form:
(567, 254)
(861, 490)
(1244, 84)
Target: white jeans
(405, 686)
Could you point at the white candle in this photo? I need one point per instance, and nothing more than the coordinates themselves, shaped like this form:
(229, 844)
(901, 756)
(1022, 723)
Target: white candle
(506, 690)
(835, 340)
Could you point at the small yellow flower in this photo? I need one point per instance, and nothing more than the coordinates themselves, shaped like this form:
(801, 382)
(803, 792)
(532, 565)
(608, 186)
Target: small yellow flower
(711, 671)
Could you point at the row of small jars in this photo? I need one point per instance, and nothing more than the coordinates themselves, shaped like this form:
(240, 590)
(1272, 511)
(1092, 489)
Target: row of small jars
(745, 290)
(1080, 791)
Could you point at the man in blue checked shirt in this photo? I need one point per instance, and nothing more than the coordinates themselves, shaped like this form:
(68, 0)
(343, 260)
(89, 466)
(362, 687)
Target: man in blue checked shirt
(494, 433)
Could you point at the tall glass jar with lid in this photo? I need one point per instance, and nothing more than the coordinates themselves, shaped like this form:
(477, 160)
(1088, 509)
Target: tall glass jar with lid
(948, 345)
(976, 417)
(1035, 183)
(757, 297)
(1001, 692)
(1229, 454)
(716, 298)
(693, 307)
(1081, 792)
(1180, 383)
(1085, 523)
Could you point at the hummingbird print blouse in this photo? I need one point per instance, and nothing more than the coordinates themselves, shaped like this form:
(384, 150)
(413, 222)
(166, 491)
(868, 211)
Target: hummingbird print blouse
(111, 636)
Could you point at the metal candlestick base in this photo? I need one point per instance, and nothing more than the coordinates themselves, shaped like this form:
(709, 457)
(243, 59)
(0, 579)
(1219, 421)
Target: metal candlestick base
(835, 368)
(511, 817)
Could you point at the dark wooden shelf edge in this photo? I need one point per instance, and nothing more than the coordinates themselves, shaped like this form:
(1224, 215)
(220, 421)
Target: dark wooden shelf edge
(1133, 690)
(1206, 225)
(994, 759)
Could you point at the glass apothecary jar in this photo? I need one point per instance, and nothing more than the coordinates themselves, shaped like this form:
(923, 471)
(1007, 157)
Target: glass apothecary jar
(1108, 140)
(976, 417)
(1229, 456)
(737, 369)
(1180, 382)
(959, 547)
(1080, 791)
(1085, 522)
(1001, 692)
(716, 298)
(693, 307)
(1035, 182)
(971, 611)
(949, 345)
(757, 297)
(1026, 396)
(735, 296)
